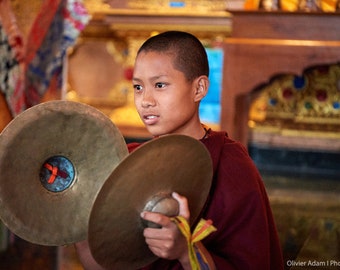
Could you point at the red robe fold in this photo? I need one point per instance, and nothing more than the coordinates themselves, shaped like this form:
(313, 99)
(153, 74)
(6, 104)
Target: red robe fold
(238, 205)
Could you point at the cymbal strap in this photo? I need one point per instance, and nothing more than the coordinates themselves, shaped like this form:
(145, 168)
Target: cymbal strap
(202, 230)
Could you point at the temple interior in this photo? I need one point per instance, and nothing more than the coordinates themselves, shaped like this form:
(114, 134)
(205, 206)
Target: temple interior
(275, 87)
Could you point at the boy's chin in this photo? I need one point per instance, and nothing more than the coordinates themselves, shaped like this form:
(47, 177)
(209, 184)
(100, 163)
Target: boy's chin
(155, 132)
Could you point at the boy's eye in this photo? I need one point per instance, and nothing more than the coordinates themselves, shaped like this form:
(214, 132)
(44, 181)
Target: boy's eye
(138, 87)
(160, 85)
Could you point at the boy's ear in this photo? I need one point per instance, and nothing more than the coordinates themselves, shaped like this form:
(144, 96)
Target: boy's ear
(201, 87)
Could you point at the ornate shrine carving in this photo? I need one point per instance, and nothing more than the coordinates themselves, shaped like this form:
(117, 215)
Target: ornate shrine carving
(306, 105)
(265, 44)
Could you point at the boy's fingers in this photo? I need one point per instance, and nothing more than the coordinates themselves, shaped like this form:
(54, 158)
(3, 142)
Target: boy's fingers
(183, 205)
(157, 218)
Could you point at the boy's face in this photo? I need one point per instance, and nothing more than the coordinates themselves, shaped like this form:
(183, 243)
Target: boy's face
(165, 100)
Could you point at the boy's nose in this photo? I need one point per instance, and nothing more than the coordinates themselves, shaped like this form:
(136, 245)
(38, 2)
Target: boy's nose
(148, 99)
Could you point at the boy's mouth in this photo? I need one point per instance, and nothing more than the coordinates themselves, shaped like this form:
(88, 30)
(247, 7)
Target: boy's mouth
(147, 117)
(150, 119)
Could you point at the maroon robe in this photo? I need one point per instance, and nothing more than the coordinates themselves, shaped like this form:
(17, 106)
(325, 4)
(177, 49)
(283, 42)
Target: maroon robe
(246, 236)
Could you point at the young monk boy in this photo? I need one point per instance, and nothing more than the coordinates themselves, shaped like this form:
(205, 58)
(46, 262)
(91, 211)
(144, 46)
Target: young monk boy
(170, 79)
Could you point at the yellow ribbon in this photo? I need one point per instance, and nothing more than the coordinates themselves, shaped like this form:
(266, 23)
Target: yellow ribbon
(202, 230)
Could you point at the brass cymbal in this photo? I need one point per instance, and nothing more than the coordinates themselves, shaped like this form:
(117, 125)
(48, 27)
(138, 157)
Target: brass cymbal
(54, 158)
(147, 176)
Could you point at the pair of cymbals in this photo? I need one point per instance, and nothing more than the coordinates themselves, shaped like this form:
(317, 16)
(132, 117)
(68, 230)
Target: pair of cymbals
(66, 175)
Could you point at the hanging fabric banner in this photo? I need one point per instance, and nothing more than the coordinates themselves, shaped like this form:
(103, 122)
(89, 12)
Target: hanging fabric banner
(55, 29)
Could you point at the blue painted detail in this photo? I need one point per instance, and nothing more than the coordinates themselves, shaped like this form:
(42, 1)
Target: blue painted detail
(57, 174)
(177, 4)
(210, 107)
(299, 82)
(272, 101)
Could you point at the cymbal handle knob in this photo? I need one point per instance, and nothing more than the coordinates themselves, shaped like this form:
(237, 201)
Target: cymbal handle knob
(162, 203)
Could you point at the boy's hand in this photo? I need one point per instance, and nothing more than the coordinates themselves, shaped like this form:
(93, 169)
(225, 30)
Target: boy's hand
(168, 242)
